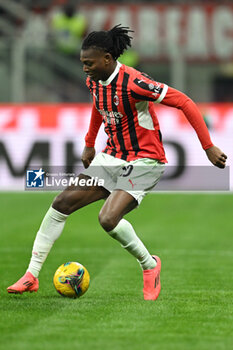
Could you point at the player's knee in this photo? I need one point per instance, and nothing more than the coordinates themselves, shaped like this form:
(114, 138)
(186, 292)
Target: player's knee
(61, 204)
(107, 221)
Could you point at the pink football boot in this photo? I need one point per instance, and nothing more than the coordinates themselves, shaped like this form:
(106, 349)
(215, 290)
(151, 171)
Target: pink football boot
(28, 283)
(151, 281)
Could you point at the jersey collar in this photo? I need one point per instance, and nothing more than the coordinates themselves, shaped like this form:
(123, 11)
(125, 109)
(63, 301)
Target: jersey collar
(112, 76)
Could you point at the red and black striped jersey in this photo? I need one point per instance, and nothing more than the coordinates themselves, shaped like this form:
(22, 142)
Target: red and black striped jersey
(126, 107)
(125, 103)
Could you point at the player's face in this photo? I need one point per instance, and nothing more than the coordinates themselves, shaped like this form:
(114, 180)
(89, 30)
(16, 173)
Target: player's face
(97, 64)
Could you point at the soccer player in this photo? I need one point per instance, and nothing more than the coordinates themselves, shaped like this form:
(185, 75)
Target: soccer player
(132, 162)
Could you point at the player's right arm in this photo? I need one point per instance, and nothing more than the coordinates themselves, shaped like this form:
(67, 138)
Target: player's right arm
(89, 149)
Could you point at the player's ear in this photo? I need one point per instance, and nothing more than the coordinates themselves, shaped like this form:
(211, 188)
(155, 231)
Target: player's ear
(107, 58)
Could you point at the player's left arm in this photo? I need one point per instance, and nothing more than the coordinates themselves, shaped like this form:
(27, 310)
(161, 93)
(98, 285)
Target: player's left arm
(177, 99)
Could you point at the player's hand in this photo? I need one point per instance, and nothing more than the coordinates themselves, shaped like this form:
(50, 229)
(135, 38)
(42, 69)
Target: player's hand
(216, 156)
(88, 156)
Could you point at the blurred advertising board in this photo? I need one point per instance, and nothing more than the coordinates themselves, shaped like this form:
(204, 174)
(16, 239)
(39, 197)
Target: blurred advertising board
(202, 31)
(48, 136)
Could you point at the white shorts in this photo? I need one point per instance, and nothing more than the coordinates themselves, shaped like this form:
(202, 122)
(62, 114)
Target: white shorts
(137, 177)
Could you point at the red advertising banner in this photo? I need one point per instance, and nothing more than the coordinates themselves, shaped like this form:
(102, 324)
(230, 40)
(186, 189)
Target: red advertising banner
(54, 135)
(75, 117)
(198, 32)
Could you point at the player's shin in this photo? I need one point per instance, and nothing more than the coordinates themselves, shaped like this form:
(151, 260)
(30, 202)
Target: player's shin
(49, 231)
(125, 234)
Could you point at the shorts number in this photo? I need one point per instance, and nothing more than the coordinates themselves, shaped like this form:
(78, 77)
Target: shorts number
(126, 170)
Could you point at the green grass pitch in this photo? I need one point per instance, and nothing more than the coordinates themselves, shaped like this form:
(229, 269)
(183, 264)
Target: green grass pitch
(192, 233)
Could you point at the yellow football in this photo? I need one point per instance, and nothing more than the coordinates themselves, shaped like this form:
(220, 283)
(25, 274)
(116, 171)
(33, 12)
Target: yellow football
(71, 280)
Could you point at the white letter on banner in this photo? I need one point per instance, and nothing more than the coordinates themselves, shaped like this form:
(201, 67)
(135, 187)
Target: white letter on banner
(173, 29)
(149, 35)
(6, 116)
(98, 16)
(197, 43)
(222, 32)
(122, 15)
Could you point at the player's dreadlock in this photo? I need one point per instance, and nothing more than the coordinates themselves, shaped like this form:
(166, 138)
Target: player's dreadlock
(114, 41)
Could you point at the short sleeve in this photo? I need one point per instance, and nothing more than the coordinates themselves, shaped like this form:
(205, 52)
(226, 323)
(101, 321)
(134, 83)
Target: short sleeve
(144, 88)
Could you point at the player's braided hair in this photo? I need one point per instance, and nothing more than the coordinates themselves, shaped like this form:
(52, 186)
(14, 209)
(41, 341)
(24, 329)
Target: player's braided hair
(114, 41)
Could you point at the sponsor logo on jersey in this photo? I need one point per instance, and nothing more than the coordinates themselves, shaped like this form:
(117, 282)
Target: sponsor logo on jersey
(111, 117)
(110, 114)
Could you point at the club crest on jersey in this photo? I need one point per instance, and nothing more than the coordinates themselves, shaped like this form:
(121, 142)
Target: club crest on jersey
(116, 100)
